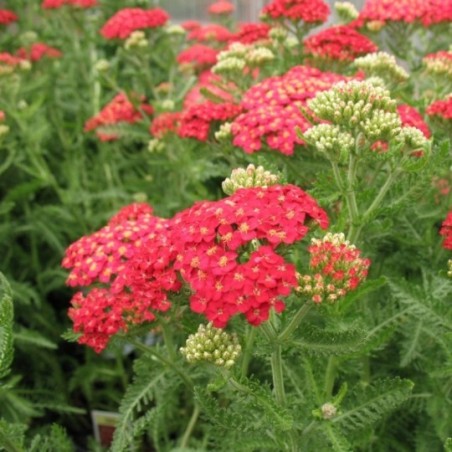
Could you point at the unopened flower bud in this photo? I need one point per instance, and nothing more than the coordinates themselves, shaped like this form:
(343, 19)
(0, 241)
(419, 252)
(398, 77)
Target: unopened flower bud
(102, 65)
(328, 410)
(224, 132)
(247, 178)
(136, 39)
(346, 11)
(382, 64)
(213, 345)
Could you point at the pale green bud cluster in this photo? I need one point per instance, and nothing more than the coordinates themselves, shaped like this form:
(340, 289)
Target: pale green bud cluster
(4, 129)
(224, 132)
(166, 105)
(278, 34)
(239, 56)
(155, 146)
(291, 42)
(136, 40)
(212, 345)
(382, 64)
(102, 65)
(449, 272)
(28, 37)
(358, 107)
(175, 30)
(346, 11)
(412, 137)
(247, 178)
(328, 410)
(330, 139)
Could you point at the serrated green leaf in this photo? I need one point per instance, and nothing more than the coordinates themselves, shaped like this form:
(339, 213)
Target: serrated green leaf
(6, 327)
(29, 337)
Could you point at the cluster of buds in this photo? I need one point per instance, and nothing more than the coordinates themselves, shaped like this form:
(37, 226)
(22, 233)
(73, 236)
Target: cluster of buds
(213, 345)
(175, 30)
(439, 63)
(383, 65)
(346, 11)
(136, 40)
(449, 271)
(328, 410)
(234, 60)
(330, 140)
(360, 108)
(224, 132)
(337, 269)
(247, 178)
(412, 138)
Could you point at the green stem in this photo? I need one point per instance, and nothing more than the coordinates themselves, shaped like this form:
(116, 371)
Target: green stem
(351, 200)
(251, 336)
(190, 427)
(382, 193)
(162, 359)
(295, 321)
(168, 338)
(277, 373)
(330, 375)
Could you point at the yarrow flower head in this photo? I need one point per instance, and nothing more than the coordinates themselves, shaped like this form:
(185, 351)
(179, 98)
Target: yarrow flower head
(9, 63)
(55, 4)
(336, 269)
(439, 63)
(330, 140)
(212, 236)
(441, 108)
(213, 33)
(446, 231)
(410, 117)
(309, 11)
(136, 39)
(249, 177)
(359, 106)
(118, 110)
(199, 56)
(249, 33)
(197, 119)
(37, 51)
(342, 43)
(273, 109)
(346, 11)
(167, 122)
(426, 12)
(212, 345)
(221, 8)
(383, 65)
(7, 17)
(122, 24)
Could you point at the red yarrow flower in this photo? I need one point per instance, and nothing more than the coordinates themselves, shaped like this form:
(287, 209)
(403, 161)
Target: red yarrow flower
(249, 33)
(122, 24)
(272, 109)
(410, 117)
(165, 123)
(210, 33)
(341, 43)
(309, 11)
(9, 60)
(441, 108)
(37, 51)
(221, 7)
(212, 235)
(120, 109)
(446, 231)
(55, 4)
(199, 56)
(197, 119)
(427, 12)
(7, 16)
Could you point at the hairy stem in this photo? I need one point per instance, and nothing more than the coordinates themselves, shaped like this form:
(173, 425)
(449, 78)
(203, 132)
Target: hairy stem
(248, 350)
(295, 321)
(190, 427)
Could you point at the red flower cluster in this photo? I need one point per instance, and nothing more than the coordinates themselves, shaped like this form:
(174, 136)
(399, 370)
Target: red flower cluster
(102, 255)
(306, 10)
(210, 235)
(196, 120)
(54, 4)
(190, 25)
(410, 117)
(207, 80)
(9, 60)
(199, 56)
(37, 51)
(428, 12)
(122, 24)
(441, 108)
(251, 32)
(272, 109)
(339, 43)
(210, 33)
(446, 231)
(221, 7)
(7, 16)
(120, 109)
(165, 123)
(337, 267)
(2, 115)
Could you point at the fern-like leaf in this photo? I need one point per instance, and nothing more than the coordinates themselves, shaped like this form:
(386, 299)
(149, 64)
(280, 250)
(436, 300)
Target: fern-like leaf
(6, 327)
(12, 436)
(371, 404)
